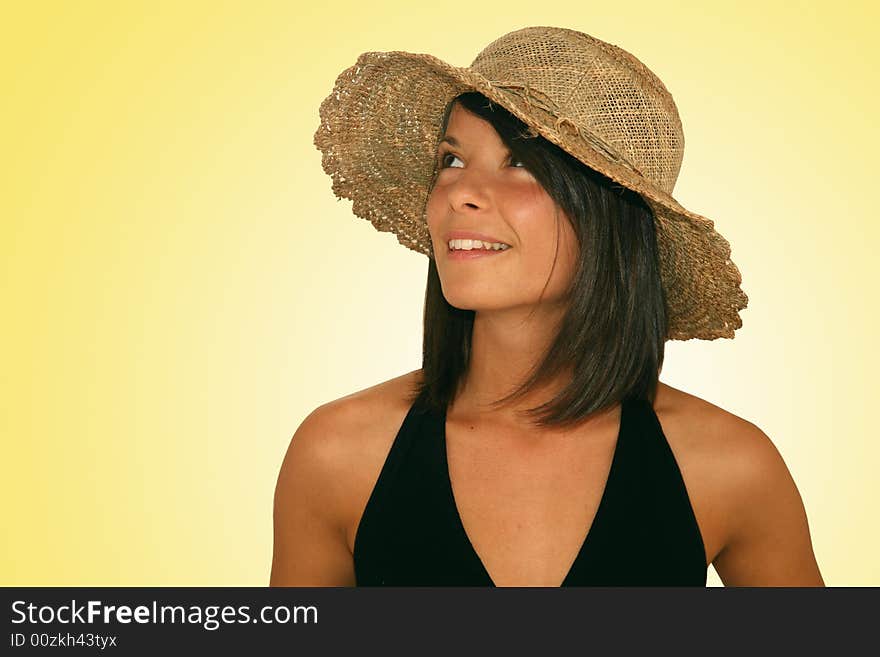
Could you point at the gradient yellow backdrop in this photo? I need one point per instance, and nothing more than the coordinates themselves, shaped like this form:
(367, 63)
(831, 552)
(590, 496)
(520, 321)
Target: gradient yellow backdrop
(180, 288)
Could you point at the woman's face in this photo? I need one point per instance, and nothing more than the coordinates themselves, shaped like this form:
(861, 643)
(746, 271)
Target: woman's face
(479, 189)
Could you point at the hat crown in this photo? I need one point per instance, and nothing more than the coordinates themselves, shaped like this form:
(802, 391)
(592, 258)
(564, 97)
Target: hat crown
(603, 92)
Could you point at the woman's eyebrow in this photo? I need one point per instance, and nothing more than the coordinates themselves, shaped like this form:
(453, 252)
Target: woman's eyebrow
(452, 141)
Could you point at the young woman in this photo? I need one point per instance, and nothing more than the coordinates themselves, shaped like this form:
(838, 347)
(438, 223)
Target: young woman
(536, 446)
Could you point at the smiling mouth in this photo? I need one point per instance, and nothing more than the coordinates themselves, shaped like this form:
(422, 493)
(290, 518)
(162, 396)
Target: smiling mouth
(469, 254)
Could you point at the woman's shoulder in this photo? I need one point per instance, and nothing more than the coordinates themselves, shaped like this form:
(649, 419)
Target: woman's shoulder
(345, 443)
(696, 426)
(696, 421)
(730, 466)
(363, 411)
(353, 430)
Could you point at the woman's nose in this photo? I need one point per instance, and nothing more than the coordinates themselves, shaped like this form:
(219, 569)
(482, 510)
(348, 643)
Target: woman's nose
(469, 191)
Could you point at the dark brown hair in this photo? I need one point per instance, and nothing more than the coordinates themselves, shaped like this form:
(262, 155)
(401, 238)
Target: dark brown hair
(614, 328)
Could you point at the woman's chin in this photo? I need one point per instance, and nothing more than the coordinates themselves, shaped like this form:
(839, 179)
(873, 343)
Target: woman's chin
(477, 302)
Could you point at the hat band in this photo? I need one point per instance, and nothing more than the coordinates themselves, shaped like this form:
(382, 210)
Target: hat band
(534, 98)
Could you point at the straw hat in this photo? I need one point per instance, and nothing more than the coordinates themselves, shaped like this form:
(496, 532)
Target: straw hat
(381, 125)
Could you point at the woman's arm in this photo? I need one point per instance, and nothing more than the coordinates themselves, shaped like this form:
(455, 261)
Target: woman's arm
(310, 548)
(769, 541)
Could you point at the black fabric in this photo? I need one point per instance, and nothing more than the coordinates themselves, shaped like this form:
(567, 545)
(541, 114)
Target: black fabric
(644, 533)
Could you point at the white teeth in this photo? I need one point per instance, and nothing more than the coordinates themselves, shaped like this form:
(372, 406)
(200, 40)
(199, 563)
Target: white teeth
(468, 245)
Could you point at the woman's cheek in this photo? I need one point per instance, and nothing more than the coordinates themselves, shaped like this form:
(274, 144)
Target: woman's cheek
(432, 207)
(528, 203)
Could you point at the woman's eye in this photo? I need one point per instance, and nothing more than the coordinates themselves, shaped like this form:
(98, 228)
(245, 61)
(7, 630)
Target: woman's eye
(445, 161)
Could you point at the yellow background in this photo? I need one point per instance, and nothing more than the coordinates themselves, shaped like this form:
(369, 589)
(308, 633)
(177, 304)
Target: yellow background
(180, 288)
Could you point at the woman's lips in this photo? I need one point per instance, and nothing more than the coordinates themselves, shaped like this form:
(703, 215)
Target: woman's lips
(462, 254)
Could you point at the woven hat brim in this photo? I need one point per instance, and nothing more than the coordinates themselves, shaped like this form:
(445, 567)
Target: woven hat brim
(378, 135)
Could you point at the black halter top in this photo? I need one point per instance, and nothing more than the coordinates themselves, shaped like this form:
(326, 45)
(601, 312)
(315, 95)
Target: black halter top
(644, 532)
